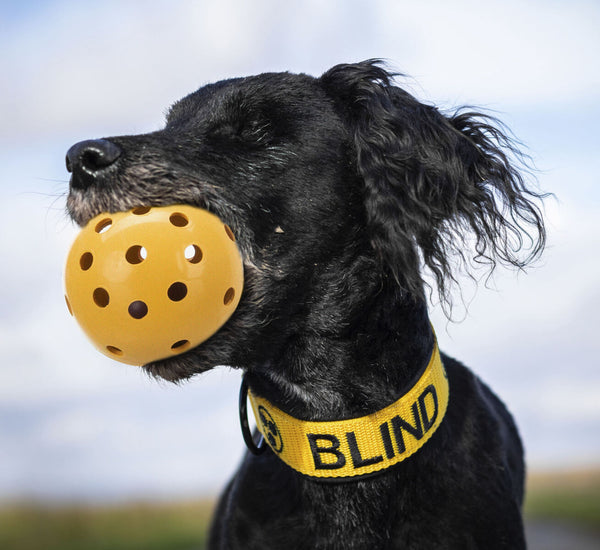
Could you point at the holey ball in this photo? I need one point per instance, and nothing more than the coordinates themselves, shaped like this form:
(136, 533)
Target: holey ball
(151, 283)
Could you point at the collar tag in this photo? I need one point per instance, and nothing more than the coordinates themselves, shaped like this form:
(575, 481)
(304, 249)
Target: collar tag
(358, 446)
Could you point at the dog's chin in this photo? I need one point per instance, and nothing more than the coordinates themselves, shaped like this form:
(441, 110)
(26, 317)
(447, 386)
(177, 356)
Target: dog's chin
(176, 369)
(82, 206)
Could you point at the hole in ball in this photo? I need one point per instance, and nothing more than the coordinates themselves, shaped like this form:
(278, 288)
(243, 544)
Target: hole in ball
(136, 254)
(193, 254)
(114, 350)
(68, 305)
(86, 261)
(138, 309)
(178, 219)
(180, 345)
(140, 210)
(229, 296)
(103, 225)
(229, 233)
(101, 297)
(177, 292)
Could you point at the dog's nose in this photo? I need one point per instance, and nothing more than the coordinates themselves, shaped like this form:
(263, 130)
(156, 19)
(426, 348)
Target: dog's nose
(88, 159)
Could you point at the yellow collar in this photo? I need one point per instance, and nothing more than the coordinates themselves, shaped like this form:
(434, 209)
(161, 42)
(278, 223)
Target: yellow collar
(338, 450)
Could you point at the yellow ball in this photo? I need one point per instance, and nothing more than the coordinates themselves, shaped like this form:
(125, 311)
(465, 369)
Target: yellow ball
(152, 283)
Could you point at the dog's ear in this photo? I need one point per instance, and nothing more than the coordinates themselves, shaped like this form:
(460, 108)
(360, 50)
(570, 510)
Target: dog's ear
(434, 184)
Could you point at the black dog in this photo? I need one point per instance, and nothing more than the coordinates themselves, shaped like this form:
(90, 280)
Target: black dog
(340, 189)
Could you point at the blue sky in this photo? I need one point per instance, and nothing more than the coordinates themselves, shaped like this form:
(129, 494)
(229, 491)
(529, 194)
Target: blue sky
(73, 424)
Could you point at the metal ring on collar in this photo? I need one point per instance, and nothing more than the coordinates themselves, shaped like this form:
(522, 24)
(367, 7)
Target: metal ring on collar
(254, 448)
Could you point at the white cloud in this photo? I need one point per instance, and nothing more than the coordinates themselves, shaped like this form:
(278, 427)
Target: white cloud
(554, 303)
(72, 67)
(151, 441)
(518, 52)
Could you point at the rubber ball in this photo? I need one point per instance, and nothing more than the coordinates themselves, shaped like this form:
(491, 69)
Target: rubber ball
(152, 283)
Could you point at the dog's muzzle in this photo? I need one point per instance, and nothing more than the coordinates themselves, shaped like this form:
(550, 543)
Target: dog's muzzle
(152, 283)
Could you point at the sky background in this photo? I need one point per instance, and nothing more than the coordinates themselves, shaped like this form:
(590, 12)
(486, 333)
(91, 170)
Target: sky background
(76, 425)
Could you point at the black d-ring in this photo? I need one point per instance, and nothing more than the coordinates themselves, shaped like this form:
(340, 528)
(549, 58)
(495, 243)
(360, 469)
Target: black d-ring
(254, 448)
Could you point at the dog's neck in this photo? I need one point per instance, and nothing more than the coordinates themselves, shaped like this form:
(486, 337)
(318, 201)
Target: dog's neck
(330, 375)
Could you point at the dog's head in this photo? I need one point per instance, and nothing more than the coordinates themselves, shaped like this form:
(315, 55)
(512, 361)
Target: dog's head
(336, 187)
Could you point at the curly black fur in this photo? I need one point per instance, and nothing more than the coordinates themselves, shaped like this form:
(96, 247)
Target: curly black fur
(340, 190)
(431, 180)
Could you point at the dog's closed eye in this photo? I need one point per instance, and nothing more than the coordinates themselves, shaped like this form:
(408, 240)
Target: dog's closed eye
(238, 119)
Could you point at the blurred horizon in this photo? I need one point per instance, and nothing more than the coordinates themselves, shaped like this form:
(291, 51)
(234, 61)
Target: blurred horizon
(75, 425)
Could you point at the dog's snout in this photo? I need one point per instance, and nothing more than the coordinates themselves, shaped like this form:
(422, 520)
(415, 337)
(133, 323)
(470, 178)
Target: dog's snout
(88, 159)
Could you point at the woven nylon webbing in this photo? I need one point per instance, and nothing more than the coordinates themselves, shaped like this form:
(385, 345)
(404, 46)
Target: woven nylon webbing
(358, 446)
